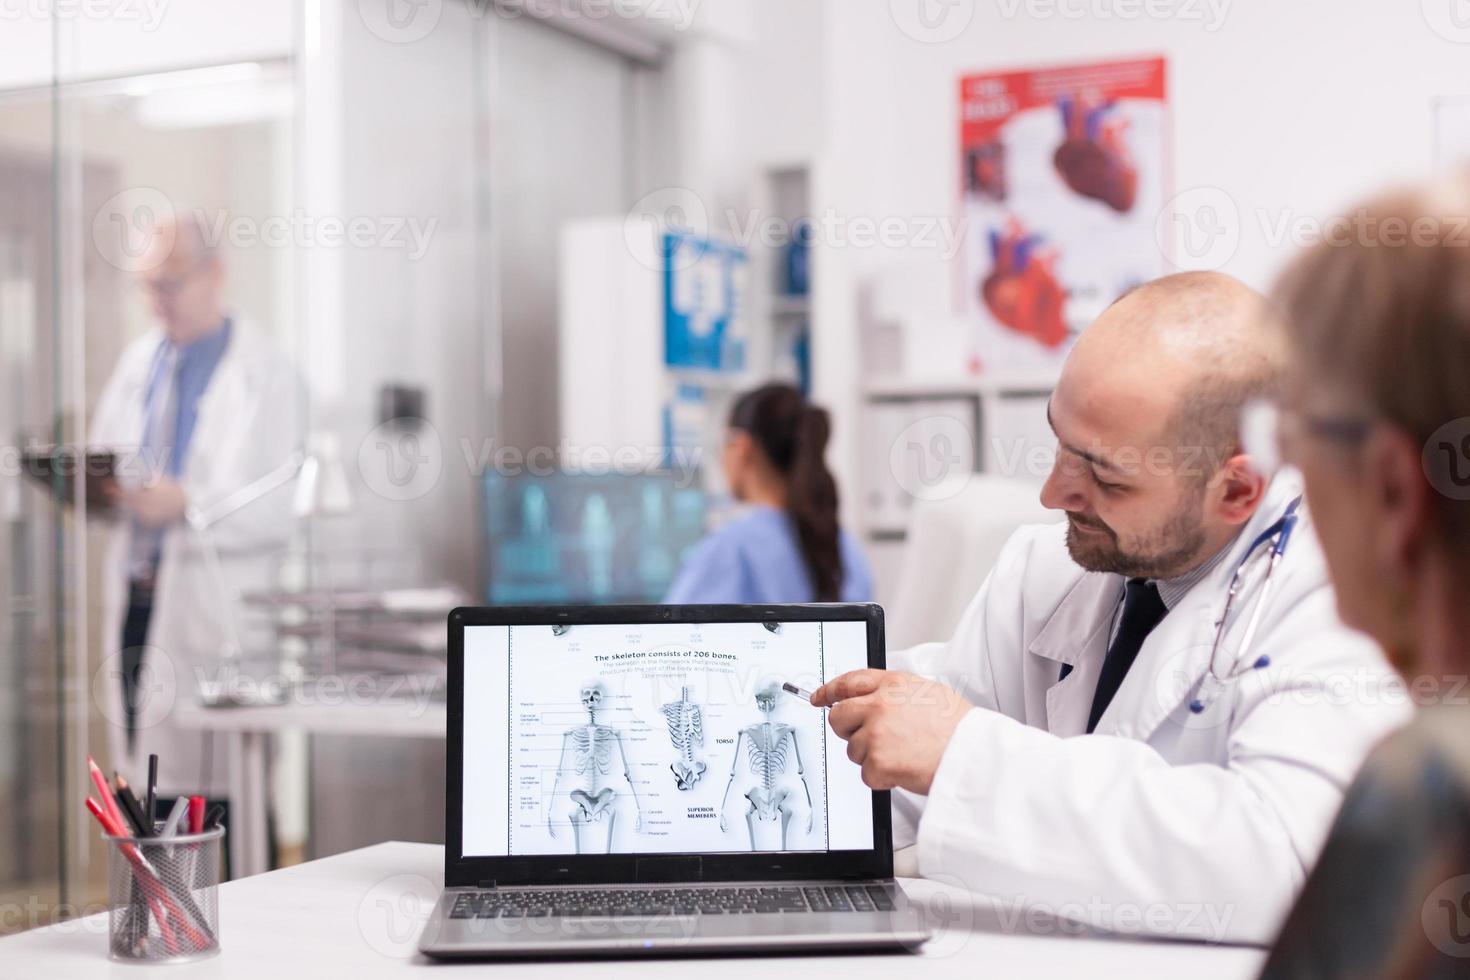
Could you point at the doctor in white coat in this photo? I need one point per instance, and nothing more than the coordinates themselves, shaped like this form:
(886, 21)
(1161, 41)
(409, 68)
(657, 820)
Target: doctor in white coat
(196, 411)
(1069, 749)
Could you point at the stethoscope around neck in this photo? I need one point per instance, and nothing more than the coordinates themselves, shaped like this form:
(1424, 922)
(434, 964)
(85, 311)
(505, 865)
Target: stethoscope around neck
(1213, 683)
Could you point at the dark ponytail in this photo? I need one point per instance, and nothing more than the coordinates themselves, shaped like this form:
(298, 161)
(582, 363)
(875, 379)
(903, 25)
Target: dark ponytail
(793, 434)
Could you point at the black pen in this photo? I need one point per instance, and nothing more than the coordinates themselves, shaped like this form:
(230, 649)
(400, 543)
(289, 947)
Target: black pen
(131, 807)
(152, 795)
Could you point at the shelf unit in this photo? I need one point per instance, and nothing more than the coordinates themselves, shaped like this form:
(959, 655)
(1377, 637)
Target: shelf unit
(1002, 419)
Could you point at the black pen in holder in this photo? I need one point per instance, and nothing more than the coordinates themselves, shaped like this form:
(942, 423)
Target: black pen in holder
(163, 894)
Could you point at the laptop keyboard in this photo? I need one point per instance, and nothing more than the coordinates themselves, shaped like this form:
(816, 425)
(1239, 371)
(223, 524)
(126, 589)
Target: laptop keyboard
(701, 900)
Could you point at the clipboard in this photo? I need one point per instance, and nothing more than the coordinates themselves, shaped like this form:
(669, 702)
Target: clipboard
(56, 468)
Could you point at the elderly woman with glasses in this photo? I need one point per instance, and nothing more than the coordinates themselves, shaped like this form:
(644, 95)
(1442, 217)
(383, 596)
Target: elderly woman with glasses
(1377, 419)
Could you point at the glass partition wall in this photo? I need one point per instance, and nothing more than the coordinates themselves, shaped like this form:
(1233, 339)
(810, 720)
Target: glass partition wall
(33, 719)
(282, 251)
(291, 195)
(90, 170)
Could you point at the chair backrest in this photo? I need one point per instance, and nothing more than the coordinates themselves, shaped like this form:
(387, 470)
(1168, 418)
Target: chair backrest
(953, 541)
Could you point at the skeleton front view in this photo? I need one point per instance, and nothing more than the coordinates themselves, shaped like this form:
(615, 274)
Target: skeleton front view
(587, 755)
(686, 730)
(766, 764)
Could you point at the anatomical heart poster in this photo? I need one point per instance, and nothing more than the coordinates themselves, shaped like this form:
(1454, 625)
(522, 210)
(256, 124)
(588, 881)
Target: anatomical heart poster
(1063, 178)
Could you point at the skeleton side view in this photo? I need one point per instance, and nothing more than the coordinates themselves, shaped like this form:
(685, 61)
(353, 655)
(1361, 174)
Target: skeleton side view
(686, 730)
(587, 752)
(766, 762)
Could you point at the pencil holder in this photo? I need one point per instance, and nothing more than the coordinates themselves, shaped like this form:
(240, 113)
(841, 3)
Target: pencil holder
(163, 895)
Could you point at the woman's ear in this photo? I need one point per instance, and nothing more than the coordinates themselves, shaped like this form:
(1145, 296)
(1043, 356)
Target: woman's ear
(738, 447)
(735, 459)
(1401, 498)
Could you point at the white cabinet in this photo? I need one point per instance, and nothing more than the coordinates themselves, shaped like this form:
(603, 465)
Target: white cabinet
(921, 438)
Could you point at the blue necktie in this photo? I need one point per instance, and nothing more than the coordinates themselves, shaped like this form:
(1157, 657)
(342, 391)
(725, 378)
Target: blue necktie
(1143, 609)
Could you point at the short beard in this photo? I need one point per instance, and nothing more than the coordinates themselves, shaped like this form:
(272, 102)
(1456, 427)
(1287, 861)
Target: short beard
(1167, 551)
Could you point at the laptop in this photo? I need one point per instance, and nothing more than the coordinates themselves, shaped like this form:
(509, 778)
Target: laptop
(643, 780)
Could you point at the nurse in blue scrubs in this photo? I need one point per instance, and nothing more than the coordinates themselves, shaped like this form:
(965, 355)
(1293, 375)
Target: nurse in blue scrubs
(787, 546)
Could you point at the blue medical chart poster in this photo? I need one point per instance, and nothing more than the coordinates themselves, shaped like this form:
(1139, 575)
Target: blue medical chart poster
(704, 283)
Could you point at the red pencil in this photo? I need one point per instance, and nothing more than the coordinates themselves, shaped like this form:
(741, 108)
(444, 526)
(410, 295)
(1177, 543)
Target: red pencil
(108, 803)
(103, 817)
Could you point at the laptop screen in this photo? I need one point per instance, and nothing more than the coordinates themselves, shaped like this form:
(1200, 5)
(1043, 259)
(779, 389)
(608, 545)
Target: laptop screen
(658, 738)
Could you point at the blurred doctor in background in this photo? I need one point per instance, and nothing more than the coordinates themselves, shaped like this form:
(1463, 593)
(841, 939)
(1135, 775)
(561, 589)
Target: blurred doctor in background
(788, 546)
(1378, 422)
(202, 407)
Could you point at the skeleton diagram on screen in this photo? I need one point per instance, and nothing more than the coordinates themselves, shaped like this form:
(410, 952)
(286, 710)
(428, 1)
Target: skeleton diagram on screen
(587, 757)
(686, 730)
(766, 764)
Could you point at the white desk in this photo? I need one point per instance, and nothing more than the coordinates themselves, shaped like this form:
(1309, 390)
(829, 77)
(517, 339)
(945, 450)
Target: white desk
(246, 732)
(358, 915)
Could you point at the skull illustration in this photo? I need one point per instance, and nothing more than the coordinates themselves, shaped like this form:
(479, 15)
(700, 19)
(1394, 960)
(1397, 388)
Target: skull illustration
(592, 695)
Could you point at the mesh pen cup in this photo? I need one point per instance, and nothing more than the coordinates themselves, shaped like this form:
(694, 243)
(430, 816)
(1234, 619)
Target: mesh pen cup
(163, 897)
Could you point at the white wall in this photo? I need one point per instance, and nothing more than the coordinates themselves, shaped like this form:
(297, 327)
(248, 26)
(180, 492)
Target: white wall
(1289, 108)
(783, 98)
(561, 152)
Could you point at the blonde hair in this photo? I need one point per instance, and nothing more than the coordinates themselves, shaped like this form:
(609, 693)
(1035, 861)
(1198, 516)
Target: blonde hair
(1380, 308)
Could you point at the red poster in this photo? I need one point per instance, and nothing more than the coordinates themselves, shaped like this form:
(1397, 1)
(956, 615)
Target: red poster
(1063, 177)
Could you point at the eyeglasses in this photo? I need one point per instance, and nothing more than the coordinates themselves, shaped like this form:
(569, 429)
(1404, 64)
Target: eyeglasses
(164, 288)
(170, 286)
(1270, 434)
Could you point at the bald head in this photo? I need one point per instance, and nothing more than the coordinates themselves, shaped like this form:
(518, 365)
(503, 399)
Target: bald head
(1185, 317)
(1187, 350)
(178, 240)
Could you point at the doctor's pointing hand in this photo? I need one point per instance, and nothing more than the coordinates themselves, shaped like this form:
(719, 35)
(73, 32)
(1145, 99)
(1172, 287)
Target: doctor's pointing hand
(896, 725)
(1146, 718)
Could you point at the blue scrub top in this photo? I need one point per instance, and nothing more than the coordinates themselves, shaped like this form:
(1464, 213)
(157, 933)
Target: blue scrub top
(756, 559)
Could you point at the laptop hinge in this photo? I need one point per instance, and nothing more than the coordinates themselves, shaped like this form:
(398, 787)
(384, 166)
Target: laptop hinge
(487, 883)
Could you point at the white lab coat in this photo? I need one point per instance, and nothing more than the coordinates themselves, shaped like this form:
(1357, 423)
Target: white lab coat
(1162, 821)
(249, 422)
